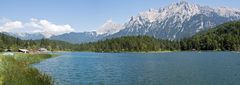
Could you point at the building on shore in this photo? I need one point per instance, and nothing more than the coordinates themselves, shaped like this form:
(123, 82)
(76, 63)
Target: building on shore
(23, 50)
(42, 50)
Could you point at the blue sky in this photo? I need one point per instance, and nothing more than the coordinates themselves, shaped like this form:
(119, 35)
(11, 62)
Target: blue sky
(85, 15)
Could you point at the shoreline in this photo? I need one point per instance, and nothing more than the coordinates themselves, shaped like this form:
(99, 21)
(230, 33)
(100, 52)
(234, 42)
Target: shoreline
(166, 51)
(17, 70)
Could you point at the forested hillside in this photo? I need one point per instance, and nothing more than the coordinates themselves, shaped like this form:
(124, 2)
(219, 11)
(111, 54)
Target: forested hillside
(130, 43)
(223, 37)
(9, 42)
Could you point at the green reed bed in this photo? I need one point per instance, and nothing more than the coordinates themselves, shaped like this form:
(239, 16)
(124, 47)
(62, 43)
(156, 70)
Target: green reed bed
(17, 70)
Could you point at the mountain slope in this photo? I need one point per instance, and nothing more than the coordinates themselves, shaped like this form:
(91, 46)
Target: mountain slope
(26, 36)
(222, 37)
(177, 21)
(108, 28)
(80, 37)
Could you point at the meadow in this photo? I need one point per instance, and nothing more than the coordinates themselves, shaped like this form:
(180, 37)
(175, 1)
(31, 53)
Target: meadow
(17, 70)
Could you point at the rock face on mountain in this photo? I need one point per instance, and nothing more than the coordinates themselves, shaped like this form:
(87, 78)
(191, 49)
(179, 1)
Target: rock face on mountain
(109, 28)
(178, 20)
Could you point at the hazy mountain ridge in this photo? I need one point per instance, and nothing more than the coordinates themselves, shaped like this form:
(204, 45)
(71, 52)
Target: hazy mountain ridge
(26, 36)
(79, 37)
(176, 21)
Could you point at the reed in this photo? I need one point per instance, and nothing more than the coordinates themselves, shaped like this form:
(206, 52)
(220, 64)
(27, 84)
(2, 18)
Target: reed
(17, 70)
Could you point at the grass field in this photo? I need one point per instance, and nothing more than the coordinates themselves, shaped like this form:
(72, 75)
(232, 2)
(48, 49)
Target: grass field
(17, 70)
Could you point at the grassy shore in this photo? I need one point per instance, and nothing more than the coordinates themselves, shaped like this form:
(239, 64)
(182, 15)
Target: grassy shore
(17, 70)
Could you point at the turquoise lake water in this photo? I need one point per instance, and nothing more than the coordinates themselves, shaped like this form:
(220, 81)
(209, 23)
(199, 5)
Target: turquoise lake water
(172, 68)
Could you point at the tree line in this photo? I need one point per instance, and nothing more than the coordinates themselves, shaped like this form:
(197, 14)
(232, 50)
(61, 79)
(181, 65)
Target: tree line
(12, 43)
(129, 43)
(223, 37)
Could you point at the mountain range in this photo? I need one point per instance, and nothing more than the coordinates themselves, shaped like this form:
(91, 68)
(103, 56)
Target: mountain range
(176, 21)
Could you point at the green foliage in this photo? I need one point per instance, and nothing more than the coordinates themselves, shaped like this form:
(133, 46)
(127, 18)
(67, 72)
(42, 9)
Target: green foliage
(16, 70)
(130, 43)
(222, 37)
(9, 42)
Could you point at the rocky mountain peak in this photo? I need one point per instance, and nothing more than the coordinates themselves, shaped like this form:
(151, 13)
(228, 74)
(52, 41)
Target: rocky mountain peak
(109, 27)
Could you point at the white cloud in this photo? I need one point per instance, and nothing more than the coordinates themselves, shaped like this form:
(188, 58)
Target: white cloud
(43, 26)
(10, 26)
(50, 28)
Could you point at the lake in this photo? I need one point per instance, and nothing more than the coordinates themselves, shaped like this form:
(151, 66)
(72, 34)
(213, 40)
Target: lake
(172, 68)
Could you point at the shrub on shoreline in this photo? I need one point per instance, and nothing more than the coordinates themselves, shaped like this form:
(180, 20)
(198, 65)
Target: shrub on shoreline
(17, 70)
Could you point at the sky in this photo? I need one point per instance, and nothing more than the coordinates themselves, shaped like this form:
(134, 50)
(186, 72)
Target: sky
(59, 16)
